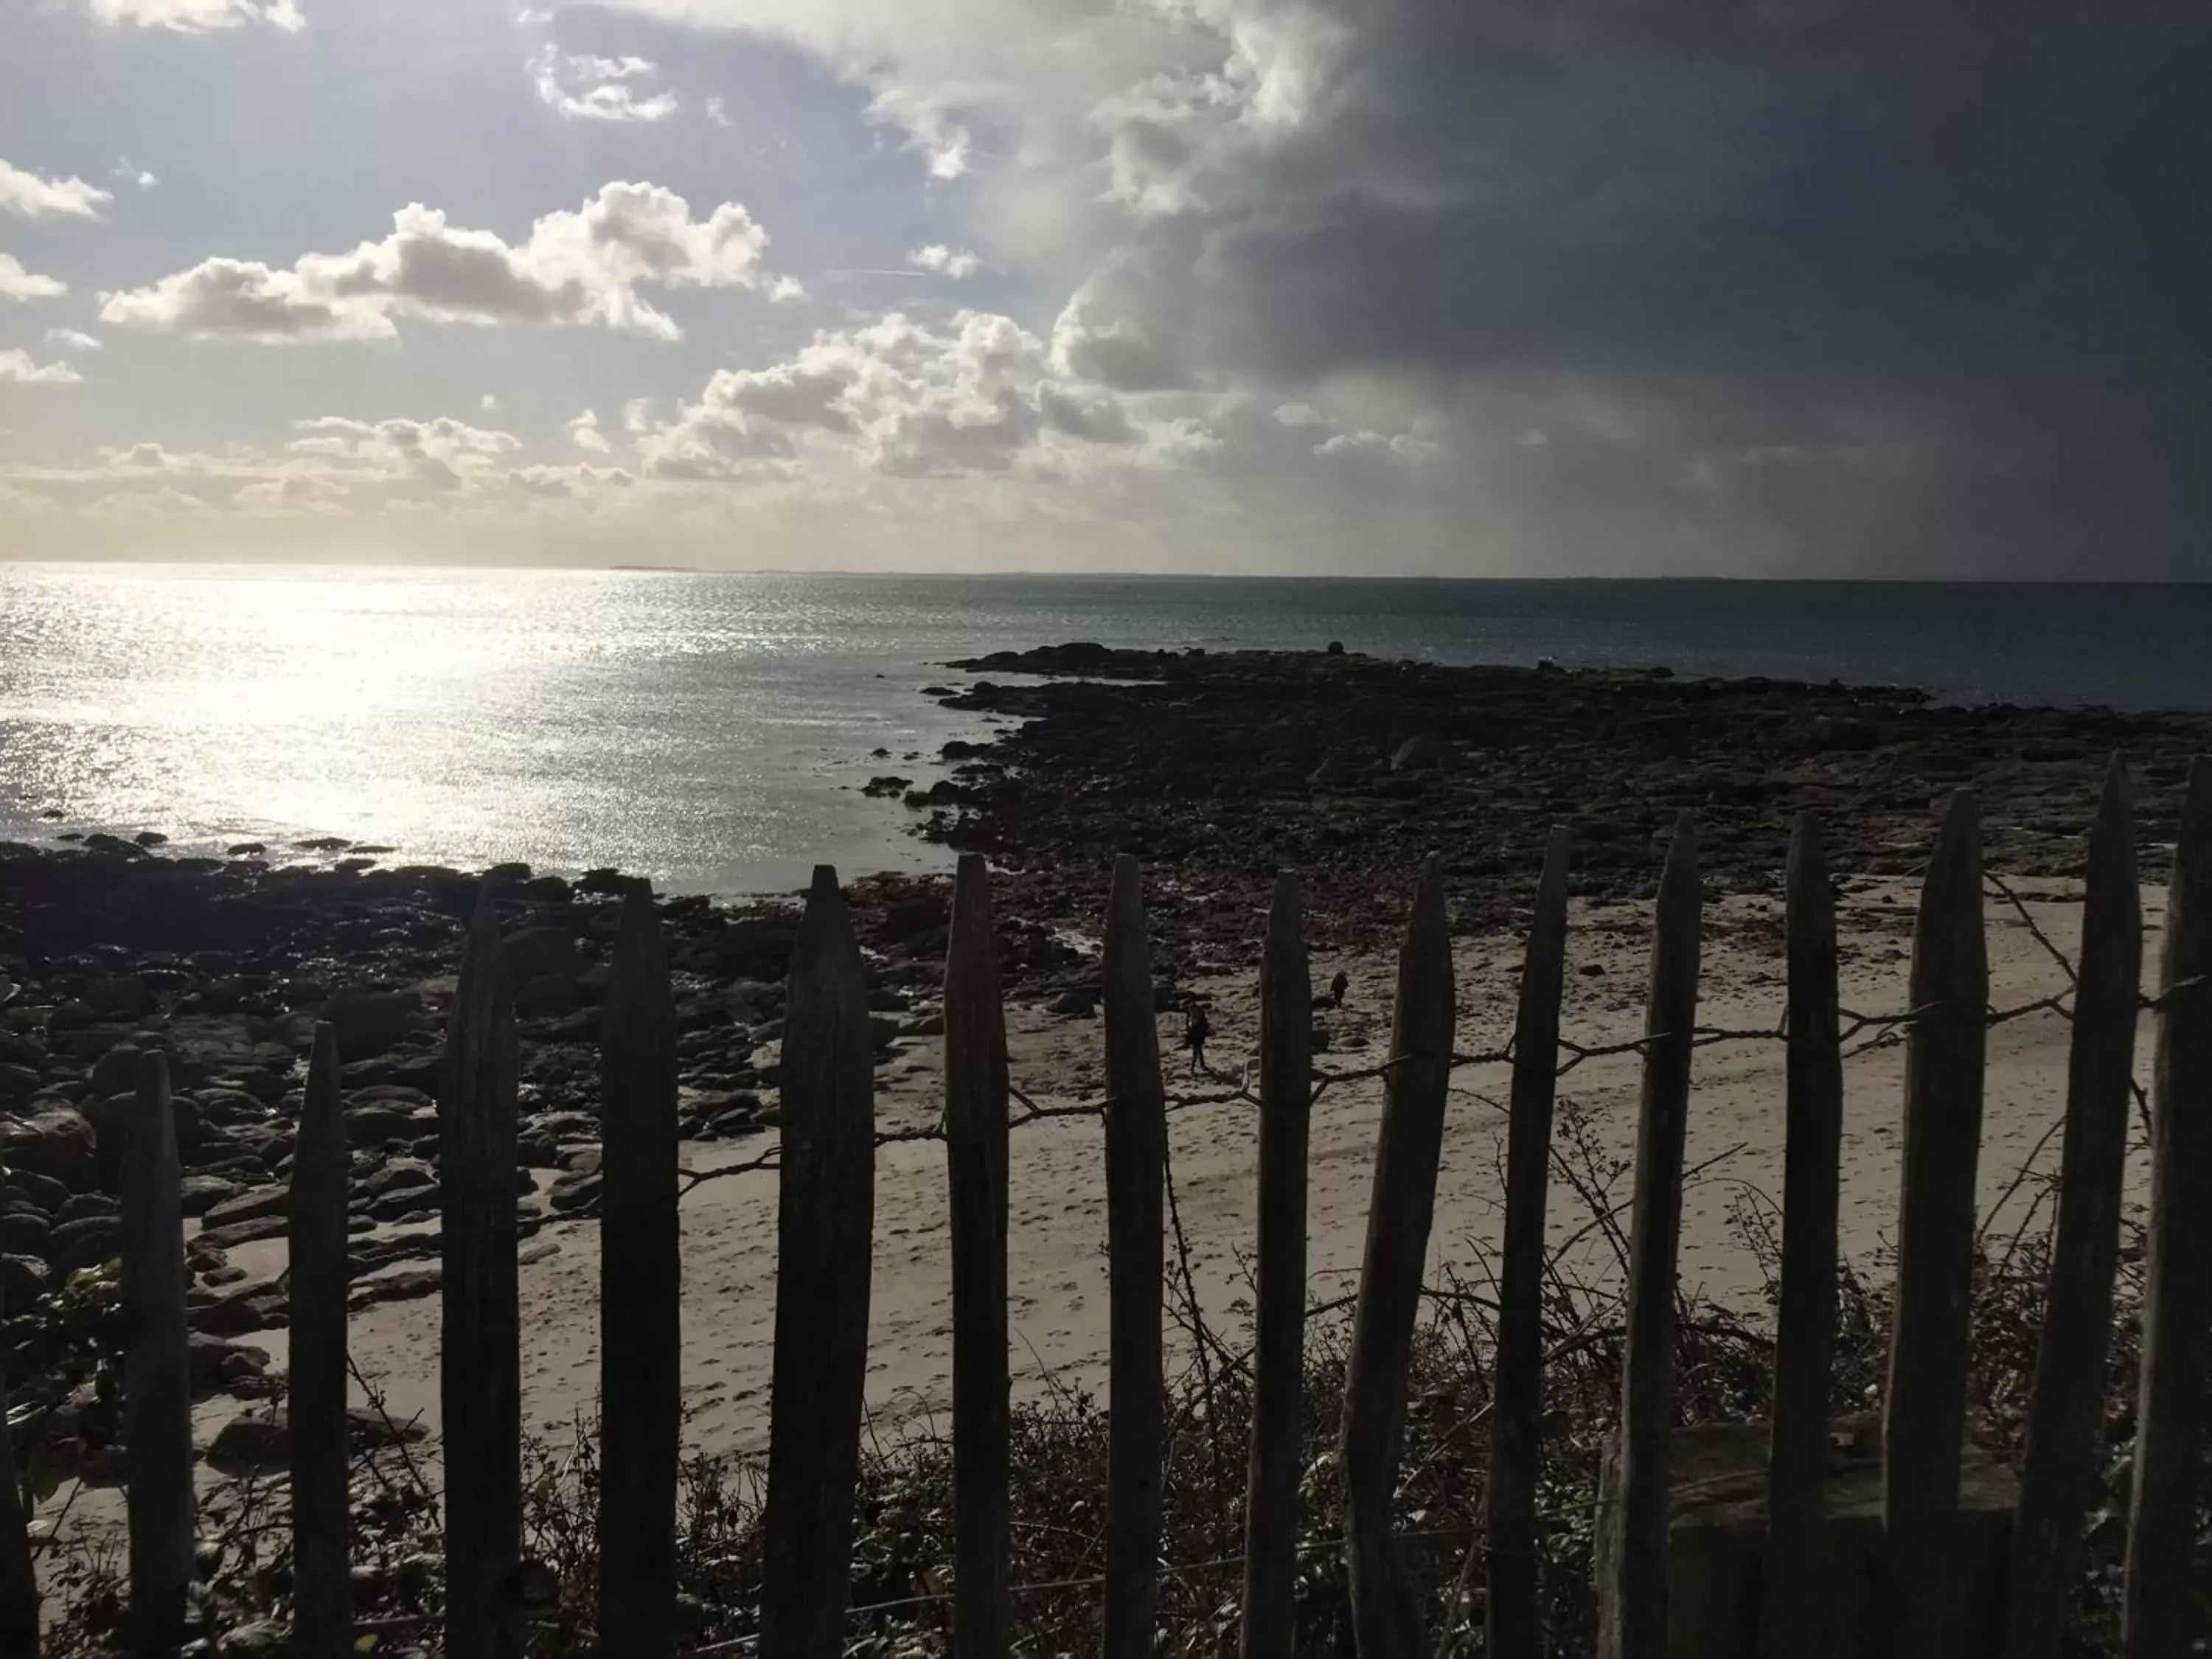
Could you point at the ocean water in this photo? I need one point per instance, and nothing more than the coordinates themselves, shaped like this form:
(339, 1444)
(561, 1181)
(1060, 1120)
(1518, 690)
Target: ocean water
(714, 730)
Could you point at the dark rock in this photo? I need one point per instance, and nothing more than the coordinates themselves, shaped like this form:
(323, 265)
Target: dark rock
(754, 947)
(370, 1023)
(26, 1232)
(87, 1204)
(23, 1280)
(216, 1362)
(537, 952)
(403, 1285)
(84, 1244)
(236, 1233)
(401, 1175)
(250, 1308)
(202, 1193)
(41, 1191)
(247, 1207)
(1420, 755)
(387, 1123)
(17, 1083)
(1078, 1003)
(572, 1194)
(916, 916)
(123, 996)
(545, 996)
(57, 1143)
(254, 1439)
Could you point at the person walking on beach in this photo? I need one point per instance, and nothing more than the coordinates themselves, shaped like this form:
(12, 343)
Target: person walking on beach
(1338, 986)
(1196, 1028)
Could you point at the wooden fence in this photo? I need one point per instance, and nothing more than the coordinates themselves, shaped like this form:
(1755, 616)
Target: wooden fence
(827, 1171)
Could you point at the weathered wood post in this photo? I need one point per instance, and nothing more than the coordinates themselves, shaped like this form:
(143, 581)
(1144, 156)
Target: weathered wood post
(157, 1392)
(2161, 1612)
(2066, 1415)
(1796, 1578)
(1270, 1501)
(976, 1095)
(1386, 1614)
(322, 1592)
(824, 1233)
(640, 1294)
(480, 1367)
(1632, 1605)
(1517, 1406)
(1924, 1414)
(1136, 1169)
(19, 1579)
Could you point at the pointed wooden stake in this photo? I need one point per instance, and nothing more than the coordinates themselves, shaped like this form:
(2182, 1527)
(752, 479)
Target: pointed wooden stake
(1924, 1416)
(640, 1294)
(480, 1370)
(1271, 1503)
(1516, 1421)
(1632, 1610)
(824, 1234)
(1136, 1169)
(2066, 1415)
(2162, 1613)
(1386, 1612)
(1796, 1578)
(976, 1095)
(322, 1584)
(157, 1392)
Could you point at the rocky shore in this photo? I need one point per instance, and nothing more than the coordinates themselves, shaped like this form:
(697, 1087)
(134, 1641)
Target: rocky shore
(109, 950)
(1220, 769)
(1216, 769)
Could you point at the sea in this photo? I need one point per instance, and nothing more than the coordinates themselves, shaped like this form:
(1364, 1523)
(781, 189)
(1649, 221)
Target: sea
(715, 731)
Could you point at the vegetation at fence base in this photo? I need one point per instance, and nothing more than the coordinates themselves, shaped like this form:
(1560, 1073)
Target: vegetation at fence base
(902, 1546)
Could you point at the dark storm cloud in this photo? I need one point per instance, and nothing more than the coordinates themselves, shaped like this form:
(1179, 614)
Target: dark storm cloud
(1852, 273)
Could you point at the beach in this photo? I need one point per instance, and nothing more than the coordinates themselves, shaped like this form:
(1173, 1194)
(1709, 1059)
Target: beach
(1216, 771)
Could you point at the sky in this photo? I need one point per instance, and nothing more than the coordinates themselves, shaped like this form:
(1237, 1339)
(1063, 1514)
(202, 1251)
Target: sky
(1755, 288)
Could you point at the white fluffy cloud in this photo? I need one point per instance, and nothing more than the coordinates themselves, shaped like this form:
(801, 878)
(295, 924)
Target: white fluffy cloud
(27, 195)
(16, 367)
(199, 16)
(17, 283)
(580, 87)
(957, 263)
(72, 339)
(582, 267)
(901, 397)
(583, 433)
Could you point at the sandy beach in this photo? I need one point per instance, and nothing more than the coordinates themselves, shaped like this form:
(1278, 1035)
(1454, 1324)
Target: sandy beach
(1057, 1232)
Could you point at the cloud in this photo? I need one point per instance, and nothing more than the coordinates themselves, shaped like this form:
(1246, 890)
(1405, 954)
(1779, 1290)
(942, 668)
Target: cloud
(199, 16)
(27, 195)
(584, 88)
(1718, 255)
(718, 109)
(488, 402)
(16, 368)
(583, 268)
(17, 283)
(899, 397)
(583, 433)
(72, 339)
(958, 264)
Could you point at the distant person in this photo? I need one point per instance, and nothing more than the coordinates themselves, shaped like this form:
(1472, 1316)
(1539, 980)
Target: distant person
(1338, 986)
(1196, 1028)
